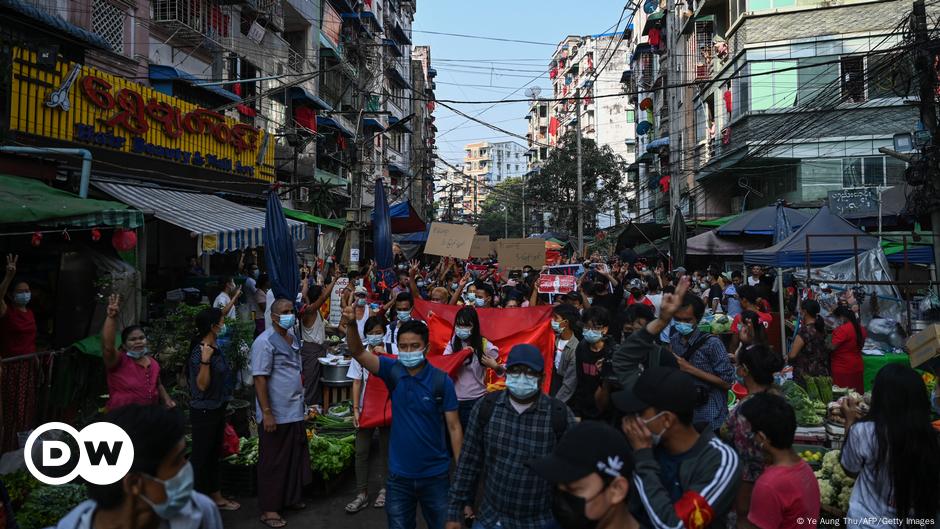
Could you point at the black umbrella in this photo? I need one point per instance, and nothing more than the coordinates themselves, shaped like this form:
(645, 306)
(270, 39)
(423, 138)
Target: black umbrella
(677, 239)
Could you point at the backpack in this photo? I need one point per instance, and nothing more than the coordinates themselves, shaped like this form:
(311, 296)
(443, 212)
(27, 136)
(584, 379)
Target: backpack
(559, 413)
(438, 381)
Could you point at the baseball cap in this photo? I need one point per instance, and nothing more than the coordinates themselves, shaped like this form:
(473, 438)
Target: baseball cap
(636, 283)
(361, 290)
(680, 269)
(527, 355)
(587, 447)
(663, 388)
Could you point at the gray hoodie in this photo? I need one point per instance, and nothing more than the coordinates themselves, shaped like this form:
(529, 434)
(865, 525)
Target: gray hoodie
(200, 513)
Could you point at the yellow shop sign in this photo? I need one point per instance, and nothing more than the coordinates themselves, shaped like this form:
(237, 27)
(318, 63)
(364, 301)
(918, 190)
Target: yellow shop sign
(82, 104)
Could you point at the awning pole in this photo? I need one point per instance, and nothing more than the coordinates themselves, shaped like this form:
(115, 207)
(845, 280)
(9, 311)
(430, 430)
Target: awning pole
(783, 324)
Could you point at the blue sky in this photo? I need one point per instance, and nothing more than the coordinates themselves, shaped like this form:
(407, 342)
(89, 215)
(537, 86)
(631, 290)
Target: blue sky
(473, 69)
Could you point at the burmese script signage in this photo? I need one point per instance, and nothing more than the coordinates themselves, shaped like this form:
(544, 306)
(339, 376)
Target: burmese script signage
(82, 104)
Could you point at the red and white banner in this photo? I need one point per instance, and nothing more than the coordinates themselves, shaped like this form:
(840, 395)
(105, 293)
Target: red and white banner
(556, 284)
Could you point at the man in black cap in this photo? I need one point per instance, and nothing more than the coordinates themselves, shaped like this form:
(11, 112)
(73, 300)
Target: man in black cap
(590, 469)
(506, 429)
(682, 478)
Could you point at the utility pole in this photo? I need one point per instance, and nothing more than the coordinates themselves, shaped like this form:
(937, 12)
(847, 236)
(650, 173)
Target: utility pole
(924, 63)
(523, 204)
(580, 204)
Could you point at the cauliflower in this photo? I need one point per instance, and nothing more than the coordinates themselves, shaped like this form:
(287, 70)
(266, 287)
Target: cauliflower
(830, 462)
(838, 474)
(826, 492)
(843, 500)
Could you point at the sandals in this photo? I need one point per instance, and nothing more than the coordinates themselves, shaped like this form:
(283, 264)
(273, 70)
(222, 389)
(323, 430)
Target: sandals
(380, 500)
(229, 505)
(359, 503)
(275, 522)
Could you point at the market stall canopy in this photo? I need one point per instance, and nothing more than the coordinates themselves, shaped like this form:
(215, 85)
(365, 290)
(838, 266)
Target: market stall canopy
(310, 218)
(709, 243)
(762, 221)
(822, 250)
(404, 218)
(25, 200)
(716, 223)
(220, 225)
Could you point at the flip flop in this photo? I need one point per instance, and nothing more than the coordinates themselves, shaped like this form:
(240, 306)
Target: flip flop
(380, 500)
(359, 503)
(229, 505)
(275, 522)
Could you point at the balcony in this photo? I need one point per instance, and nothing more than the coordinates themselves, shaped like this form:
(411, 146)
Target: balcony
(193, 22)
(296, 62)
(272, 14)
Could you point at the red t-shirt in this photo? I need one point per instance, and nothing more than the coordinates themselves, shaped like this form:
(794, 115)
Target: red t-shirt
(131, 383)
(783, 496)
(764, 318)
(646, 301)
(17, 332)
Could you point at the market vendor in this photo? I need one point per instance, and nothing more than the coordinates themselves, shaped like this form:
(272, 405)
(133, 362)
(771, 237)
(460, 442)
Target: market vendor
(133, 374)
(847, 341)
(17, 338)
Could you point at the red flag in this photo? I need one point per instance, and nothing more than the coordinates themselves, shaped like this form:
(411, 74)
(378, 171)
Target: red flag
(376, 404)
(553, 126)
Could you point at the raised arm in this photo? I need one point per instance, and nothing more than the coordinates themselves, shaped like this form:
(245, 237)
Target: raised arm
(109, 332)
(460, 286)
(412, 285)
(7, 280)
(354, 343)
(231, 303)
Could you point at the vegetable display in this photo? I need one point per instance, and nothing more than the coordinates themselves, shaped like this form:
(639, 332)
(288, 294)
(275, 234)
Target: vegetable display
(835, 486)
(809, 412)
(343, 409)
(48, 504)
(247, 452)
(330, 456)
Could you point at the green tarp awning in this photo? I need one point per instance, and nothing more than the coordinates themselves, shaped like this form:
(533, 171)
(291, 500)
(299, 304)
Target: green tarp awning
(313, 219)
(717, 223)
(25, 200)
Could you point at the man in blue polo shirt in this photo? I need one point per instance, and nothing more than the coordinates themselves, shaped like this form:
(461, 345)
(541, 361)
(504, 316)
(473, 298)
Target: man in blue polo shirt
(423, 404)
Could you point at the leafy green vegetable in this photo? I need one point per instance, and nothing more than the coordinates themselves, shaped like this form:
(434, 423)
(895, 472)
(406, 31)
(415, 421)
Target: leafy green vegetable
(247, 452)
(48, 504)
(811, 388)
(20, 485)
(331, 456)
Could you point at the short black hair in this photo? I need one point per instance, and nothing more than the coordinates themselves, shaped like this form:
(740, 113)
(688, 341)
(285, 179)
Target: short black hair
(567, 313)
(414, 327)
(404, 296)
(597, 316)
(698, 306)
(373, 322)
(639, 311)
(154, 431)
(761, 362)
(131, 328)
(737, 274)
(748, 292)
(485, 287)
(771, 414)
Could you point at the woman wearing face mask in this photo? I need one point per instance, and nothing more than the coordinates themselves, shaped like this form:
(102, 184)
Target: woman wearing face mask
(590, 356)
(133, 374)
(469, 384)
(17, 337)
(210, 391)
(847, 341)
(158, 492)
(751, 330)
(228, 297)
(360, 302)
(755, 370)
(374, 332)
(564, 376)
(808, 354)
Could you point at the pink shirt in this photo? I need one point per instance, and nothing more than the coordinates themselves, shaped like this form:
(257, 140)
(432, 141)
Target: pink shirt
(130, 383)
(783, 495)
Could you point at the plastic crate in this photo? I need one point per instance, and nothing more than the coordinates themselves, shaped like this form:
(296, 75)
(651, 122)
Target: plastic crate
(238, 480)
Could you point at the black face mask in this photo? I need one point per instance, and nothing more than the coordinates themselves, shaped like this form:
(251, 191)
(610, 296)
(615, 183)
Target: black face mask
(569, 510)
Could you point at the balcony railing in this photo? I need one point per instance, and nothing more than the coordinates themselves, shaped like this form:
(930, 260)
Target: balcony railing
(194, 22)
(296, 61)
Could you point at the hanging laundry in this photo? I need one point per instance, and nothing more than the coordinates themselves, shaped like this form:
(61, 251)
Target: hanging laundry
(727, 96)
(553, 126)
(655, 37)
(664, 184)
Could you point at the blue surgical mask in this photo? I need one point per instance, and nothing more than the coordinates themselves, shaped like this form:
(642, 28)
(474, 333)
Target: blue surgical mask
(361, 302)
(223, 329)
(592, 335)
(138, 354)
(683, 328)
(404, 316)
(22, 298)
(179, 491)
(591, 300)
(480, 302)
(556, 326)
(463, 332)
(454, 286)
(411, 359)
(286, 321)
(470, 297)
(373, 339)
(421, 284)
(522, 386)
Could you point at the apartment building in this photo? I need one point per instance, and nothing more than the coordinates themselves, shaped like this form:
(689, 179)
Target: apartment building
(773, 99)
(537, 135)
(487, 164)
(590, 68)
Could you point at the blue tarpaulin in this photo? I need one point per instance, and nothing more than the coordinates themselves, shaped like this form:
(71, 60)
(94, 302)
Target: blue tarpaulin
(782, 228)
(382, 235)
(279, 256)
(761, 221)
(823, 251)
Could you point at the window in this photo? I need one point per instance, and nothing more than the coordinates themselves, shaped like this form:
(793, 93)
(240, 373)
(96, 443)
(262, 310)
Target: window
(772, 88)
(631, 116)
(814, 79)
(819, 176)
(887, 77)
(853, 78)
(107, 20)
(699, 120)
(871, 171)
(543, 112)
(765, 5)
(396, 140)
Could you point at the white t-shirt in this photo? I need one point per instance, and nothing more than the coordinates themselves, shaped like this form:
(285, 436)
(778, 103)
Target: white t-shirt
(316, 333)
(361, 325)
(520, 408)
(871, 496)
(657, 300)
(221, 301)
(559, 348)
(753, 281)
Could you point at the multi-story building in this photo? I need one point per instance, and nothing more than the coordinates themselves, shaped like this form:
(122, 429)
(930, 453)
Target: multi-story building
(537, 135)
(452, 194)
(775, 100)
(421, 192)
(589, 68)
(486, 164)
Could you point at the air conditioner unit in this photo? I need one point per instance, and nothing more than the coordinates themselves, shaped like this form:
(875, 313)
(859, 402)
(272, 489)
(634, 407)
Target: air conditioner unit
(302, 194)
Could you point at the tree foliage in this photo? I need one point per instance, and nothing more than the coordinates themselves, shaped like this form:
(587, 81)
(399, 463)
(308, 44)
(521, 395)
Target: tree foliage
(604, 184)
(501, 212)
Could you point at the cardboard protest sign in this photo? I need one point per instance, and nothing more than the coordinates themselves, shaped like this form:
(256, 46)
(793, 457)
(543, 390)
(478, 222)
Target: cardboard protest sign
(482, 247)
(567, 270)
(556, 284)
(516, 253)
(450, 240)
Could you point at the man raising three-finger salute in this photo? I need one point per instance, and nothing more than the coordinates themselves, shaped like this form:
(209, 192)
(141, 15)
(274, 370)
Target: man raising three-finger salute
(682, 478)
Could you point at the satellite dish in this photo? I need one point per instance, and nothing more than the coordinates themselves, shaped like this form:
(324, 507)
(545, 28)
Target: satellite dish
(532, 92)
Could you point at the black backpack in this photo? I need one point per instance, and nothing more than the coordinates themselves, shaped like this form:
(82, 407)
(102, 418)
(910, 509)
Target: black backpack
(559, 412)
